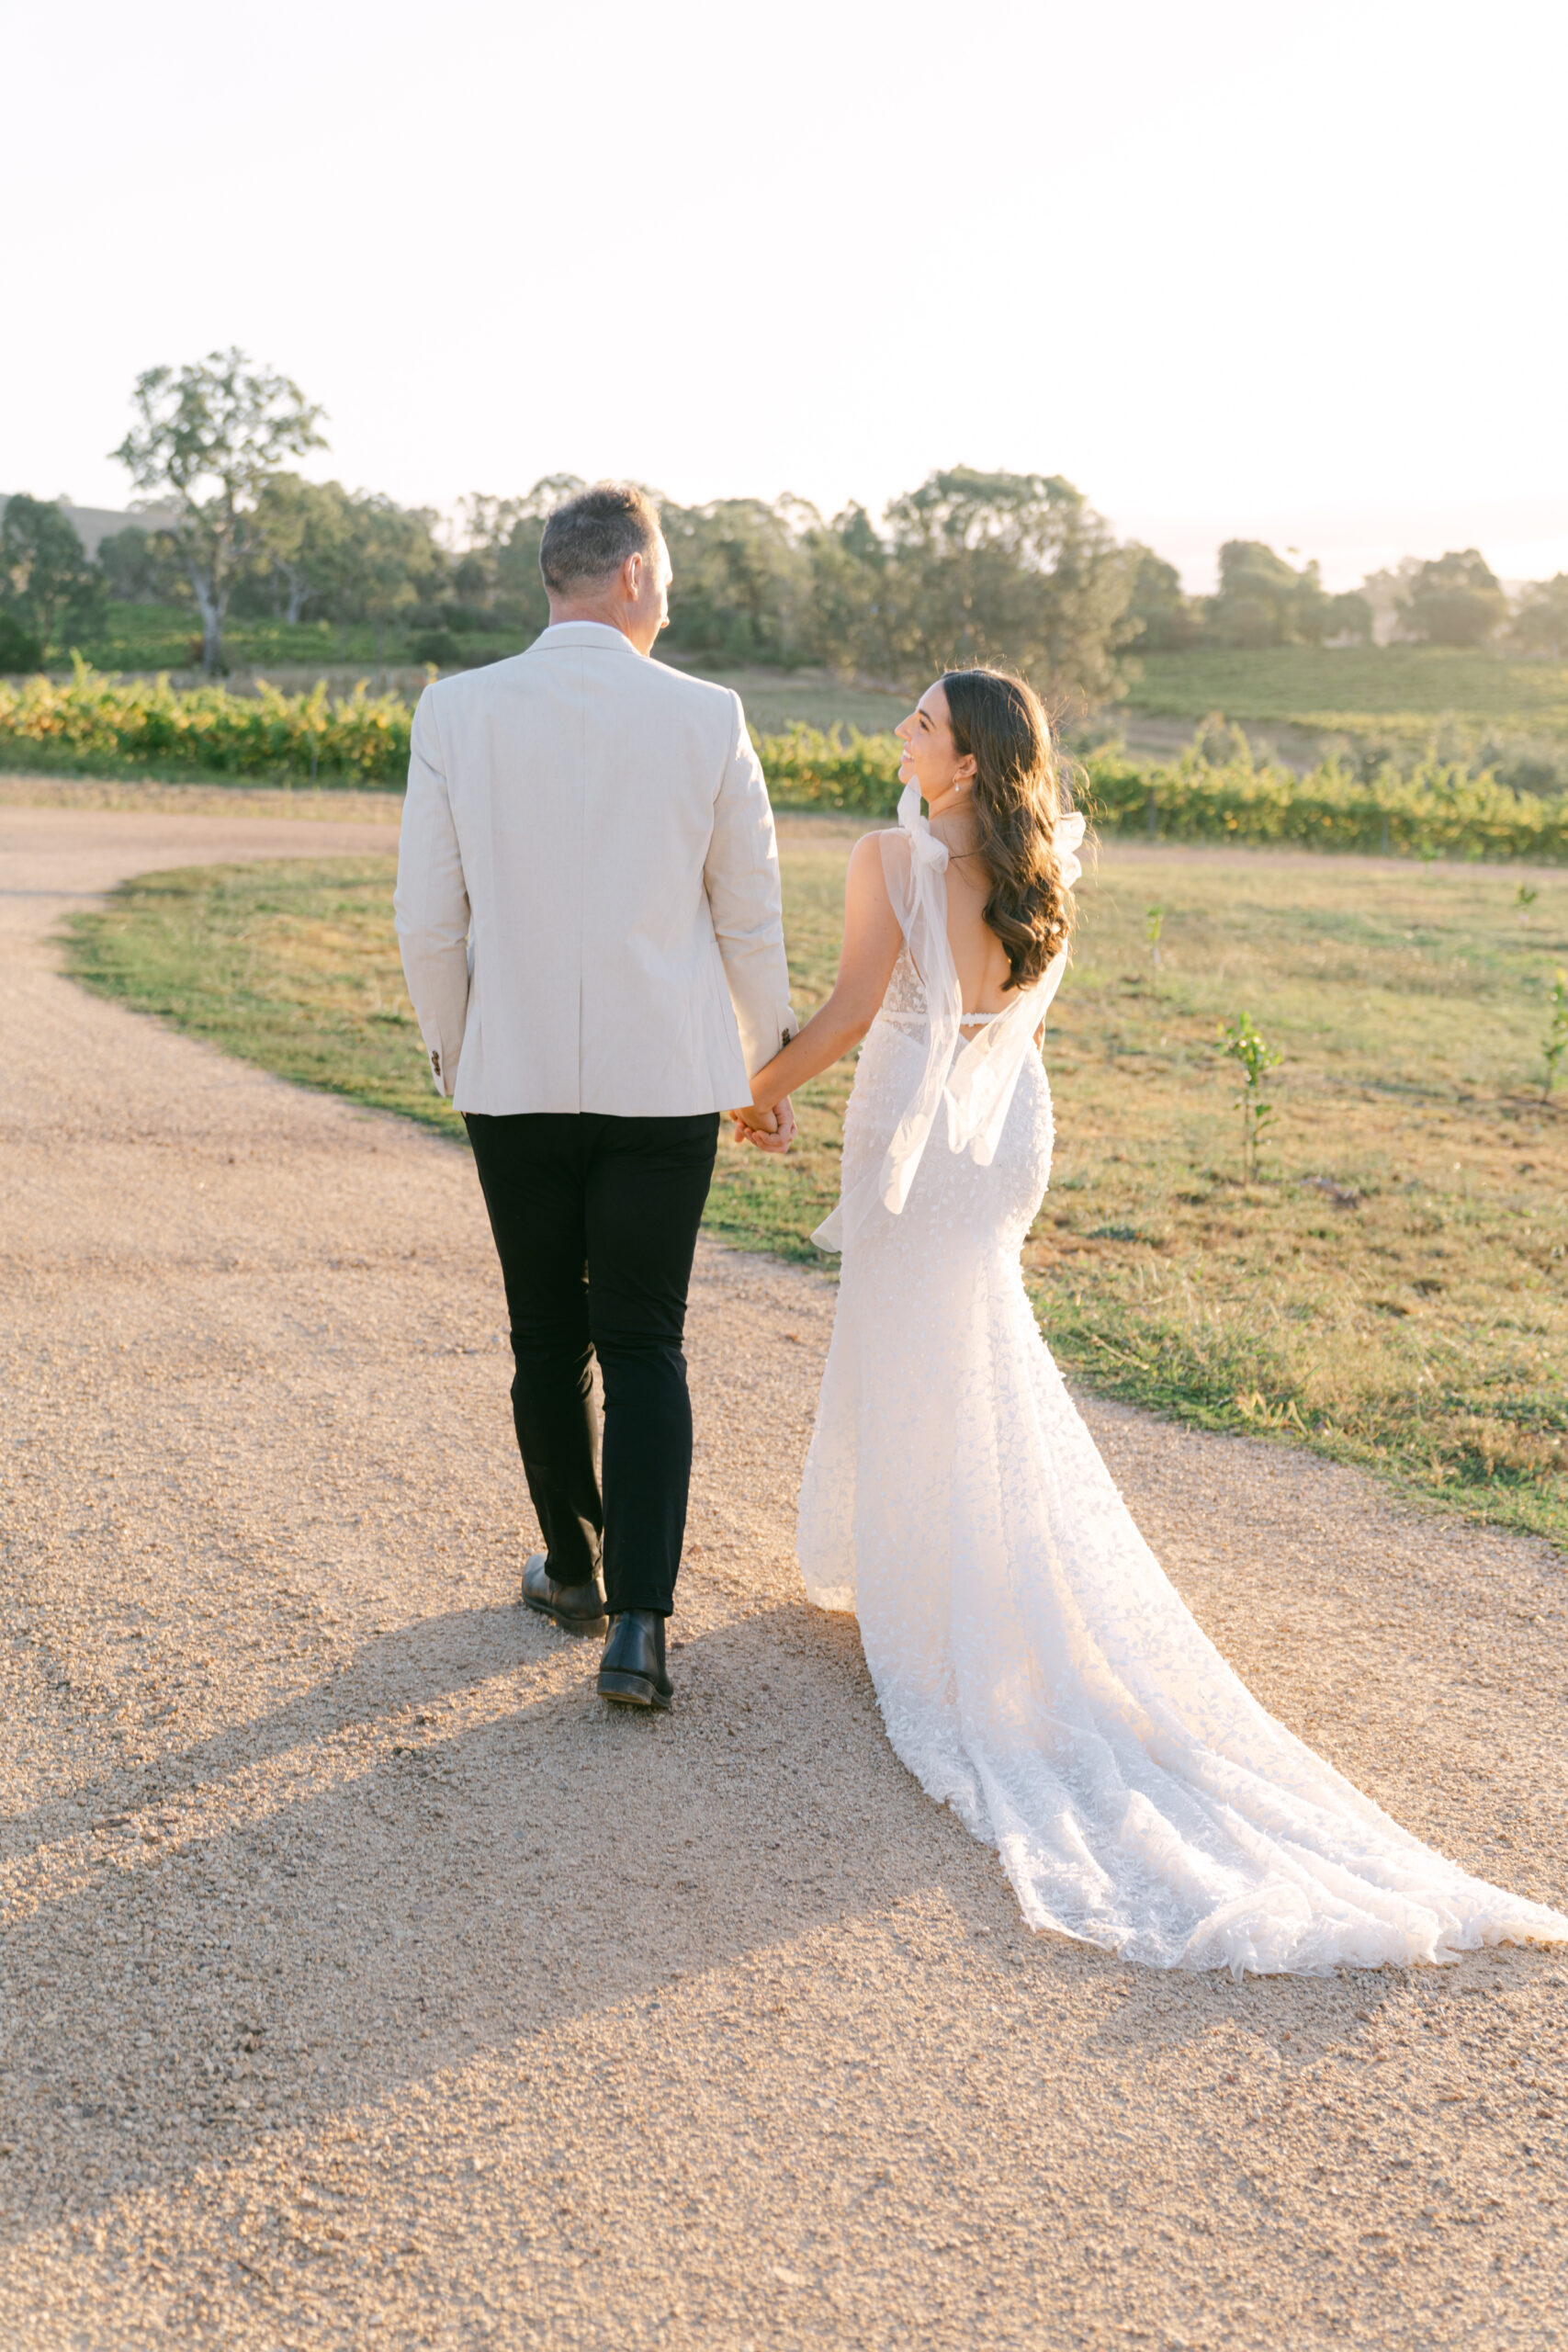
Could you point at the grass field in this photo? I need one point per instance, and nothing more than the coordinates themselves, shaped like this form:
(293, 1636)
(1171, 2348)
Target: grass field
(1390, 1290)
(168, 637)
(776, 700)
(1310, 687)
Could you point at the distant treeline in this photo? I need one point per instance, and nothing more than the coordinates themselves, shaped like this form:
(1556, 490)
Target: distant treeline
(971, 567)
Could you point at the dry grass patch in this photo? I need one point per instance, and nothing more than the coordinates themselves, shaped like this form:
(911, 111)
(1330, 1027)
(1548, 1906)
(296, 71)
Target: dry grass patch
(149, 796)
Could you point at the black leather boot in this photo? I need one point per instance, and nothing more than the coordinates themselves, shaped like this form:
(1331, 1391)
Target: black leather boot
(575, 1608)
(631, 1672)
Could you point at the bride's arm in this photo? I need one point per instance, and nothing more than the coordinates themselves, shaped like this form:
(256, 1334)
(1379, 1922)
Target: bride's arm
(871, 941)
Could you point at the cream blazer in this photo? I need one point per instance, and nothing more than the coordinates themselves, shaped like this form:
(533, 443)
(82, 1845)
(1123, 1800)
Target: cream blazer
(587, 885)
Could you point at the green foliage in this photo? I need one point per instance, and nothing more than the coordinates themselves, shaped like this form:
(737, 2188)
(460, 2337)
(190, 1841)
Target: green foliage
(149, 637)
(1263, 601)
(742, 578)
(142, 568)
(1419, 686)
(44, 570)
(1436, 811)
(392, 558)
(1240, 1042)
(1400, 704)
(285, 966)
(808, 769)
(19, 649)
(1011, 570)
(1457, 600)
(1168, 621)
(1556, 1040)
(1540, 624)
(306, 550)
(359, 737)
(214, 433)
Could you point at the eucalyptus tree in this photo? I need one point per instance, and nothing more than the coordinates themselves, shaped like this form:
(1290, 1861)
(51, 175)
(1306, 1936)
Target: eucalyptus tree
(214, 433)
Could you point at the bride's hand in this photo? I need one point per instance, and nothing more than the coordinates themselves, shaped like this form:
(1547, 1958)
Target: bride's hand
(770, 1131)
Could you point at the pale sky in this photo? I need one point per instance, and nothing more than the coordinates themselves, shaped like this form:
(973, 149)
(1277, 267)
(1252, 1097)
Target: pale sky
(1233, 267)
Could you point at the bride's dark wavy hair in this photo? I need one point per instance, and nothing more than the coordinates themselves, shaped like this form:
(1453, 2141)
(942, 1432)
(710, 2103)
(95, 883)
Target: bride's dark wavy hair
(1019, 793)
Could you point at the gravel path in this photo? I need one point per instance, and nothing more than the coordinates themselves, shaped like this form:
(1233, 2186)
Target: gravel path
(367, 1983)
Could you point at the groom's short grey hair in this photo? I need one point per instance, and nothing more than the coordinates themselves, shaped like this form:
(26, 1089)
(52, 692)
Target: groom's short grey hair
(591, 534)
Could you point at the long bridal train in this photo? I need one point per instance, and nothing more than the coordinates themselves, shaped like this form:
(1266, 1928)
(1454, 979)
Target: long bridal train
(1034, 1665)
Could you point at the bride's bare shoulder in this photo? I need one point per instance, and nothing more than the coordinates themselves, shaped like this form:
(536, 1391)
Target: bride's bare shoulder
(868, 860)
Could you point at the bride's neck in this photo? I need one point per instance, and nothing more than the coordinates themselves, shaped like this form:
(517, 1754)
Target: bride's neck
(955, 809)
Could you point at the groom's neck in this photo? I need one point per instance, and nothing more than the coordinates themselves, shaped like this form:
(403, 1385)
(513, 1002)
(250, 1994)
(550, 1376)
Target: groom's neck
(607, 613)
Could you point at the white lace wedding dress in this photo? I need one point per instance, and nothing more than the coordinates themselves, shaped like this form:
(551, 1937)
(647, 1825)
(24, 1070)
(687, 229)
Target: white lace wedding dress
(1035, 1668)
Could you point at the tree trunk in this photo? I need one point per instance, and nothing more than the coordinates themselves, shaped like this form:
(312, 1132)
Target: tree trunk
(211, 604)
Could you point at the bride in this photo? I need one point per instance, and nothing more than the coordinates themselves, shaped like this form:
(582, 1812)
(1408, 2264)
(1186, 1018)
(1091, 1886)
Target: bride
(1035, 1668)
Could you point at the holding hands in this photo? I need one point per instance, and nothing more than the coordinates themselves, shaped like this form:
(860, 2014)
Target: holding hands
(769, 1130)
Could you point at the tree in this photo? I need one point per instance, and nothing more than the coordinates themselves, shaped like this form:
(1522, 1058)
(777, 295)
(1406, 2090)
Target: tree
(1013, 568)
(742, 577)
(19, 649)
(1350, 617)
(1264, 600)
(44, 570)
(304, 530)
(1457, 600)
(220, 422)
(390, 562)
(1540, 624)
(1386, 591)
(847, 620)
(1169, 621)
(142, 567)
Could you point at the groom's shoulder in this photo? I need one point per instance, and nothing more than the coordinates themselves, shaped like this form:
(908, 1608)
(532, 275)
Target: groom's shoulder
(684, 692)
(646, 692)
(465, 689)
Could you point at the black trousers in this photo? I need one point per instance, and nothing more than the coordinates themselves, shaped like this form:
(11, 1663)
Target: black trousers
(595, 1219)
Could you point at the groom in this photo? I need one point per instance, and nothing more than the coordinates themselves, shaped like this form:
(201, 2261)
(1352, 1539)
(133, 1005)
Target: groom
(587, 912)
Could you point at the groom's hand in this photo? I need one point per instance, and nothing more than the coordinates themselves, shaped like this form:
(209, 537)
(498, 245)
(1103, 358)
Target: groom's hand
(782, 1134)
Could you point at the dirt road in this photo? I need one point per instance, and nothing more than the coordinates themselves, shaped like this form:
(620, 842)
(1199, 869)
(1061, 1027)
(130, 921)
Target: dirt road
(366, 1981)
